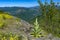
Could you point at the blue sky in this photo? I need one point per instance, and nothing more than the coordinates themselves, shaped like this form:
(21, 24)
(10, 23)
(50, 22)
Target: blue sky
(20, 3)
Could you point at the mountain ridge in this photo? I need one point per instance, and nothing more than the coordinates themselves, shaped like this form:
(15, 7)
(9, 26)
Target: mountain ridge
(22, 12)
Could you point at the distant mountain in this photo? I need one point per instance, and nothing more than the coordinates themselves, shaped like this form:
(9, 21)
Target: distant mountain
(22, 12)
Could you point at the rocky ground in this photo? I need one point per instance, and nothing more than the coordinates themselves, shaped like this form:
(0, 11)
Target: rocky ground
(24, 28)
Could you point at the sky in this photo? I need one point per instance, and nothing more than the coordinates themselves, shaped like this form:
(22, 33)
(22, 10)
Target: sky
(21, 3)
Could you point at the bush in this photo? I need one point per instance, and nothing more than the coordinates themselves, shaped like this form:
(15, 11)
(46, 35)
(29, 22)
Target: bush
(50, 17)
(37, 31)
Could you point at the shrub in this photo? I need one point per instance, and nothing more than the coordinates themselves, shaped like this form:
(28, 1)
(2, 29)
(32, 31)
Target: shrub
(37, 31)
(50, 17)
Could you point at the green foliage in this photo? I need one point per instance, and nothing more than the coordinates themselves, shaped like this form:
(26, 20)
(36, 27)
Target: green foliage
(50, 21)
(9, 36)
(2, 24)
(37, 31)
(1, 11)
(6, 19)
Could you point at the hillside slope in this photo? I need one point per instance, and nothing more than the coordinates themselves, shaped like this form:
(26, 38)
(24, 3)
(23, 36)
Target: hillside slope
(14, 25)
(22, 12)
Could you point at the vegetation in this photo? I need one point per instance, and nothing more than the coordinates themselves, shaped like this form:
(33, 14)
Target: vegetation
(2, 19)
(37, 31)
(10, 36)
(22, 12)
(50, 21)
(46, 23)
(6, 19)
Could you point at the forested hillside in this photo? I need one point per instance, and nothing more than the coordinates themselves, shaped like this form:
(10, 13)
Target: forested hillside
(22, 12)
